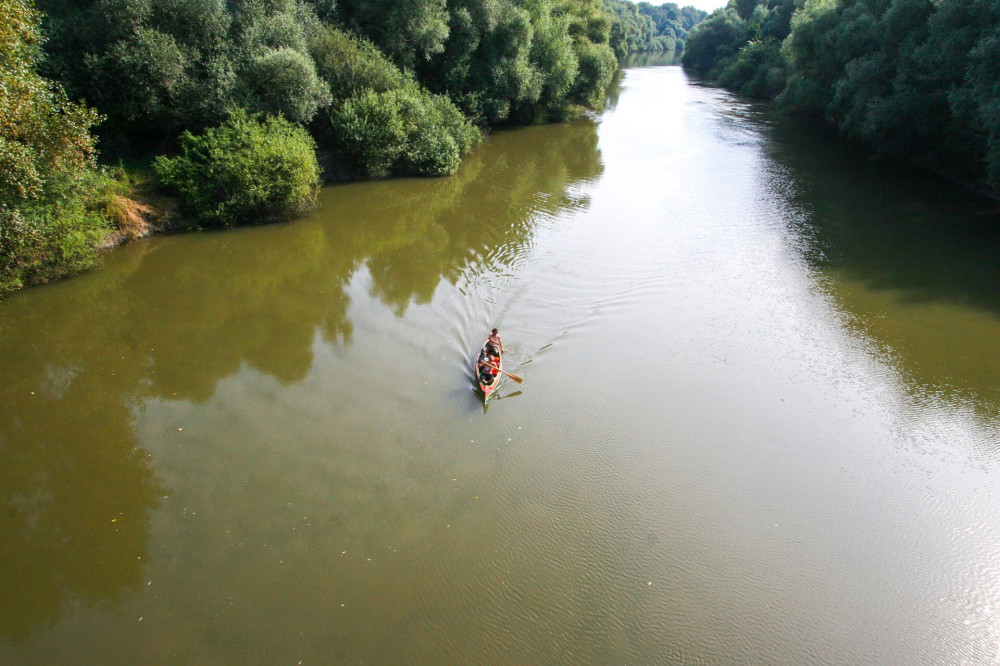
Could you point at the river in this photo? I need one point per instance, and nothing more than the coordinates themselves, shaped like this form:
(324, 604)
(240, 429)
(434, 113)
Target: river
(759, 422)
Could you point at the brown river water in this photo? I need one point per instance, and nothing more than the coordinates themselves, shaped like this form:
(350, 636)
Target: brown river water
(760, 421)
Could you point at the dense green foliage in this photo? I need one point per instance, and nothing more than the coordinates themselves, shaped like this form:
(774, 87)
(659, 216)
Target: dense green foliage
(394, 86)
(380, 81)
(50, 191)
(739, 46)
(403, 130)
(157, 67)
(645, 27)
(352, 65)
(511, 60)
(918, 79)
(244, 169)
(381, 119)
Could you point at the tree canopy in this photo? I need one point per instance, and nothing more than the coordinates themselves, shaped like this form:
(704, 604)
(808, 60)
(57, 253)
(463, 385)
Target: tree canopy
(645, 27)
(156, 67)
(913, 79)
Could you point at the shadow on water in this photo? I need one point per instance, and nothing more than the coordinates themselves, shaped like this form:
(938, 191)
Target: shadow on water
(170, 317)
(890, 227)
(913, 259)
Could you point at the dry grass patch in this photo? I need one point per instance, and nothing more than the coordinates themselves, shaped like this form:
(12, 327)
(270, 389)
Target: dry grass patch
(131, 218)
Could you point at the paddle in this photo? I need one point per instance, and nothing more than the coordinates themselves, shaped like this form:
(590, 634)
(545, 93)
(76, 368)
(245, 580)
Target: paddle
(514, 377)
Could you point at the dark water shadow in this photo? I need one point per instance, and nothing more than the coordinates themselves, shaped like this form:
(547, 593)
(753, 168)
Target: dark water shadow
(888, 226)
(911, 259)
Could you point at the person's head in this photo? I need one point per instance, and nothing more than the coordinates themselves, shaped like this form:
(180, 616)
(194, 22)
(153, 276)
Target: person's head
(494, 331)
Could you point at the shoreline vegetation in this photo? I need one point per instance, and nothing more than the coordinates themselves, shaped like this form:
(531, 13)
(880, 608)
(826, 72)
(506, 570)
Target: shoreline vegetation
(911, 81)
(227, 113)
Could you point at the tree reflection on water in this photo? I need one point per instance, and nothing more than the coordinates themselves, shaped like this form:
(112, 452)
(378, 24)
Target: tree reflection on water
(170, 317)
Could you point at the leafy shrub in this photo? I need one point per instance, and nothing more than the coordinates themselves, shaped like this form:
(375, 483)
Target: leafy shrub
(243, 170)
(438, 135)
(406, 130)
(58, 236)
(371, 131)
(48, 182)
(46, 243)
(352, 65)
(283, 81)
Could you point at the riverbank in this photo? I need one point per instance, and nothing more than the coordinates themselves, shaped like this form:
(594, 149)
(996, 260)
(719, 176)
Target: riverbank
(148, 210)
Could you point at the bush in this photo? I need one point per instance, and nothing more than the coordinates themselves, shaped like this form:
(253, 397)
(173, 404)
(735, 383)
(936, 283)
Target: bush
(244, 170)
(48, 243)
(48, 239)
(371, 131)
(351, 65)
(406, 130)
(438, 136)
(49, 223)
(283, 81)
(384, 121)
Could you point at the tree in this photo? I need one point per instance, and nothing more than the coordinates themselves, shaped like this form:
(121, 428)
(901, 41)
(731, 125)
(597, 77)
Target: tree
(513, 60)
(157, 67)
(983, 83)
(352, 65)
(47, 161)
(409, 31)
(714, 43)
(43, 136)
(283, 81)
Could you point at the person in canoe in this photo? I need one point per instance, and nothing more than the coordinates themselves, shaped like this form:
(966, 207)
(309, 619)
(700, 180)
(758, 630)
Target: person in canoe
(493, 343)
(487, 367)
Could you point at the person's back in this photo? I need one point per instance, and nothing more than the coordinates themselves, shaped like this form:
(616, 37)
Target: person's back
(496, 347)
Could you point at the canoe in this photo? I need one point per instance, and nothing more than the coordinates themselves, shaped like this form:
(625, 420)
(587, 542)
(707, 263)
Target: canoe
(487, 389)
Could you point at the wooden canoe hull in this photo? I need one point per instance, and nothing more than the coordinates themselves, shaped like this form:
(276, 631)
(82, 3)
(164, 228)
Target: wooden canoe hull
(487, 389)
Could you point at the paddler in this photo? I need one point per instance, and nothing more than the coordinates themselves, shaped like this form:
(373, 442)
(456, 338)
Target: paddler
(494, 344)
